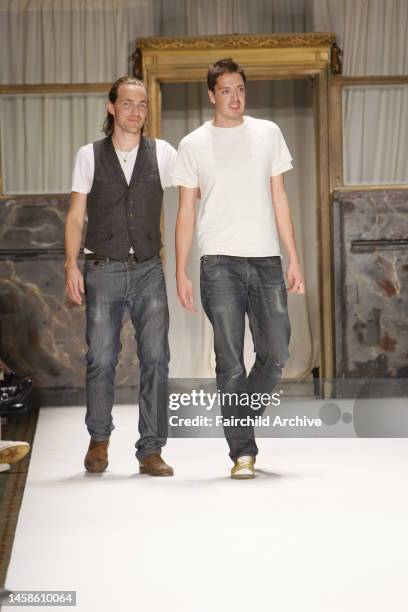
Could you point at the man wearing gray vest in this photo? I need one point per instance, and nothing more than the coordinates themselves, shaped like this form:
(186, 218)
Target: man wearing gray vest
(118, 182)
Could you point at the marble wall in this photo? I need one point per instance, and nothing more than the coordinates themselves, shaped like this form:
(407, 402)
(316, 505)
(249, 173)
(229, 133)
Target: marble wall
(41, 332)
(370, 234)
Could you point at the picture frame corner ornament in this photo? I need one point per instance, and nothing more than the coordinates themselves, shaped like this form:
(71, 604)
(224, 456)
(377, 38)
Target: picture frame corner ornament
(336, 58)
(137, 68)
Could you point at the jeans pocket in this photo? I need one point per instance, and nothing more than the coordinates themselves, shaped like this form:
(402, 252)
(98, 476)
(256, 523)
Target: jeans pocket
(274, 261)
(209, 260)
(93, 267)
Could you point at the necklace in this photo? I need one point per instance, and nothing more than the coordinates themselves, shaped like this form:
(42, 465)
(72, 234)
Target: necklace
(124, 158)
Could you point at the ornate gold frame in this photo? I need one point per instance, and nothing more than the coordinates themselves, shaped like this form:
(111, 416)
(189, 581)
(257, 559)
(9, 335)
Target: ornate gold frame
(315, 56)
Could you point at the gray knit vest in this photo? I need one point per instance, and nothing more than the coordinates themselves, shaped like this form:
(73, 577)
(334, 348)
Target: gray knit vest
(122, 215)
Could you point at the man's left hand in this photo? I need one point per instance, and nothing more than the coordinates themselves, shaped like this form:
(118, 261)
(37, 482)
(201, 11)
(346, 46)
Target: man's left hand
(295, 279)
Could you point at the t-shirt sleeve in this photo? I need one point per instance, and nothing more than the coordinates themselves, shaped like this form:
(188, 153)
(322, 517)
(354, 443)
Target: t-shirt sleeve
(84, 168)
(166, 158)
(281, 157)
(185, 171)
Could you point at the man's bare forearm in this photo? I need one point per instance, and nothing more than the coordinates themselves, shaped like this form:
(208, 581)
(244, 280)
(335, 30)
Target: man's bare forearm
(283, 217)
(285, 229)
(74, 228)
(184, 229)
(73, 238)
(295, 283)
(184, 239)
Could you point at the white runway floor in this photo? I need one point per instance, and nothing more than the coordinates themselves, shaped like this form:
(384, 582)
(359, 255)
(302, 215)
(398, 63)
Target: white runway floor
(323, 527)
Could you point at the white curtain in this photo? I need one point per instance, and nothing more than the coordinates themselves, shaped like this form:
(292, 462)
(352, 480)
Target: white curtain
(375, 135)
(202, 17)
(70, 41)
(60, 41)
(40, 136)
(373, 35)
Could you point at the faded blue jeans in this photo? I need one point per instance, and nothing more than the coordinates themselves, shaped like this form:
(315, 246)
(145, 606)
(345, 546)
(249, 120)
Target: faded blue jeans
(232, 287)
(109, 289)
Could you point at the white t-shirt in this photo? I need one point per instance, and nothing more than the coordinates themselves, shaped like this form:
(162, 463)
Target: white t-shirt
(84, 167)
(232, 167)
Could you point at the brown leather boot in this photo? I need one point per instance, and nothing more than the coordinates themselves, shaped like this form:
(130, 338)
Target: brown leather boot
(96, 459)
(155, 466)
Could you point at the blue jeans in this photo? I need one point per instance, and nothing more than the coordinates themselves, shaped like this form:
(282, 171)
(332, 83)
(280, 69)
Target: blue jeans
(232, 287)
(109, 289)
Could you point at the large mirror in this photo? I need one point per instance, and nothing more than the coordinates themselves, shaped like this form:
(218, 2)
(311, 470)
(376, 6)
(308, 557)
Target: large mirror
(288, 82)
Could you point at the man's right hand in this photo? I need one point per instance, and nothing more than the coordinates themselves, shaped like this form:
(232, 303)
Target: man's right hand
(185, 293)
(74, 283)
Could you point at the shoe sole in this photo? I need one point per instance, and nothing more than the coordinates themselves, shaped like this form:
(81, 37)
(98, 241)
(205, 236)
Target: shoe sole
(13, 454)
(150, 473)
(243, 476)
(102, 469)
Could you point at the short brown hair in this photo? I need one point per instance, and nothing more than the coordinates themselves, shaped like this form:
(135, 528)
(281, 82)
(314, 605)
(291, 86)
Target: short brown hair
(108, 124)
(224, 65)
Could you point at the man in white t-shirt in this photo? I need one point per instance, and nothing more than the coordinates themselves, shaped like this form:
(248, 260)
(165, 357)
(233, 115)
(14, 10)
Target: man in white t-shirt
(119, 182)
(235, 165)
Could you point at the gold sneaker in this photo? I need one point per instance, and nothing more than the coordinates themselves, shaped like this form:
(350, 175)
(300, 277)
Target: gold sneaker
(244, 468)
(12, 452)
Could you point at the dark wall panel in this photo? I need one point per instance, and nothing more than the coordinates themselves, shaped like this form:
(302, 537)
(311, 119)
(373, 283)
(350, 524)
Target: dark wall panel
(370, 234)
(41, 333)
